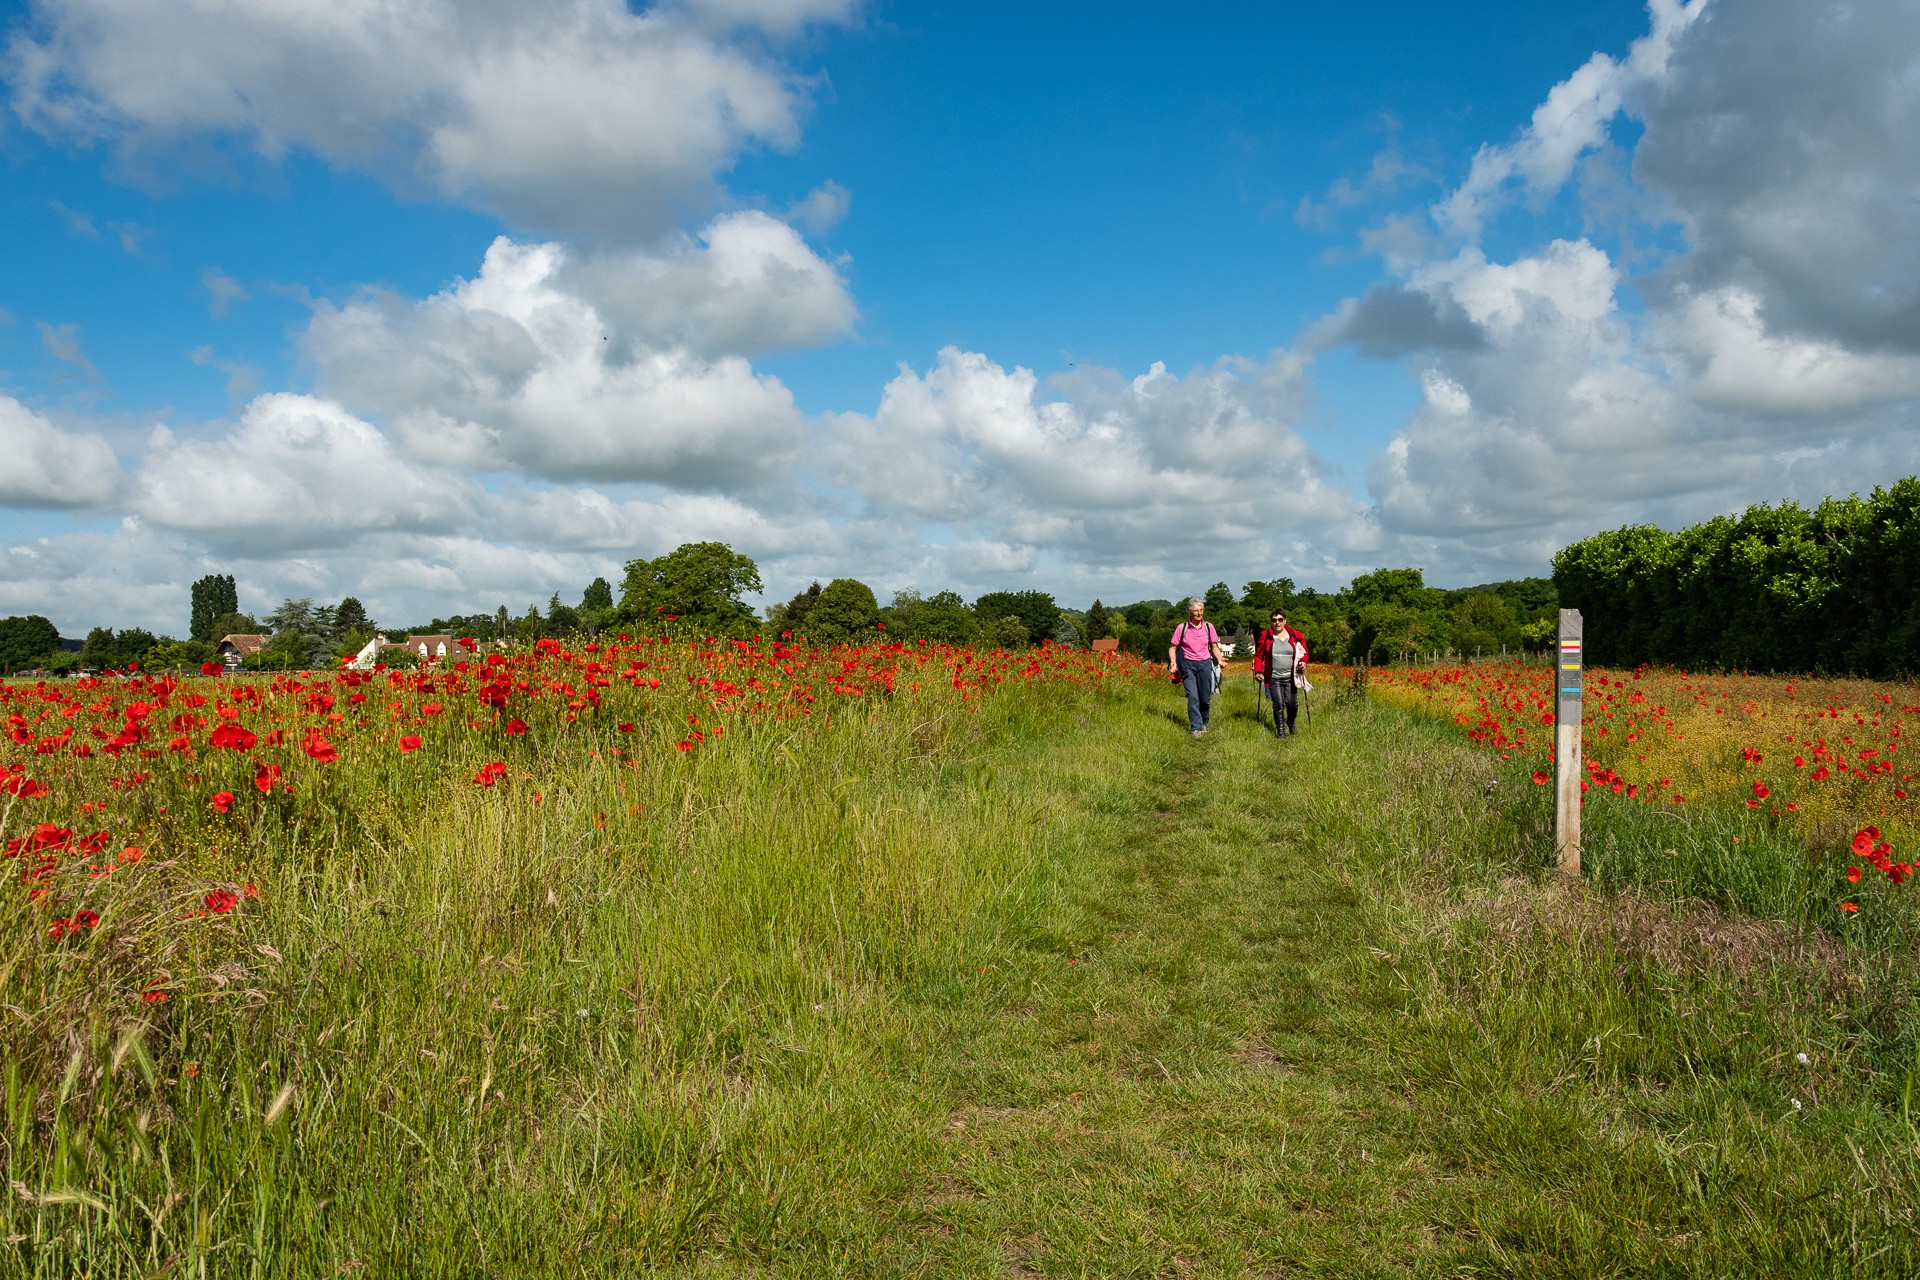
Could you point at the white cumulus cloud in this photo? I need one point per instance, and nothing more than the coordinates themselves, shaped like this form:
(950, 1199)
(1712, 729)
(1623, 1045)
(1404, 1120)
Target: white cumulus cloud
(574, 116)
(612, 367)
(48, 467)
(294, 474)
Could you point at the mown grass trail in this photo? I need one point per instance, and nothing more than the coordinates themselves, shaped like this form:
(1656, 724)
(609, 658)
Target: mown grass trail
(1304, 1012)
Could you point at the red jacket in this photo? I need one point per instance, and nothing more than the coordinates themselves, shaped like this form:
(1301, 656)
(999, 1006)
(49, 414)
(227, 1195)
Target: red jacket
(1263, 650)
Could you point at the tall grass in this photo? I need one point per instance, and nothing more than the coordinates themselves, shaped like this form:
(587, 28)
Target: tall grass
(613, 1011)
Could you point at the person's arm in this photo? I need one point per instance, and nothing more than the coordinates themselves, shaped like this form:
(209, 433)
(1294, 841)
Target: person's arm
(1259, 654)
(1173, 647)
(1213, 638)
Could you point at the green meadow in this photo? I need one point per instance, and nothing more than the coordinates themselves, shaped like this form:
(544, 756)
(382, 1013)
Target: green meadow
(1034, 985)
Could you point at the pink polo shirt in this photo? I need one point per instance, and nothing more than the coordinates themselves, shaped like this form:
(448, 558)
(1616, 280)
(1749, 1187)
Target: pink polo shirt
(1195, 643)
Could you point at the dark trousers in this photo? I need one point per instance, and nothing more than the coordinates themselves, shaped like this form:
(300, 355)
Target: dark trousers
(1198, 679)
(1286, 704)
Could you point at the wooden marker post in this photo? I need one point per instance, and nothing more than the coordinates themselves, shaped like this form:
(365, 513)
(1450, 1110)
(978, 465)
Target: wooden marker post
(1569, 672)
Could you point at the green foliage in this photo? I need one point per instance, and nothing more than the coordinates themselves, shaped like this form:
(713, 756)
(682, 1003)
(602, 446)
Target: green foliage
(235, 624)
(1097, 627)
(1038, 614)
(351, 617)
(792, 616)
(598, 597)
(1219, 597)
(104, 650)
(1009, 632)
(27, 642)
(213, 598)
(699, 584)
(942, 618)
(845, 611)
(562, 619)
(177, 655)
(1778, 588)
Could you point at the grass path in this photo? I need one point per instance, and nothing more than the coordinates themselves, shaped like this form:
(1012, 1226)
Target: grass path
(1261, 1037)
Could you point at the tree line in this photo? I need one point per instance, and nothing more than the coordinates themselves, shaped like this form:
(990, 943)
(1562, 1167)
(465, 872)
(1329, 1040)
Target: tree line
(702, 589)
(1776, 588)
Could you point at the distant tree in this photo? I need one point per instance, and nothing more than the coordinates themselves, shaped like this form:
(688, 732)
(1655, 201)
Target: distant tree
(1035, 609)
(846, 611)
(326, 622)
(1009, 632)
(1261, 597)
(1219, 598)
(792, 616)
(530, 628)
(562, 619)
(502, 624)
(27, 642)
(598, 596)
(292, 615)
(132, 645)
(1098, 628)
(1067, 634)
(351, 617)
(288, 650)
(235, 624)
(214, 597)
(699, 583)
(177, 655)
(942, 618)
(100, 650)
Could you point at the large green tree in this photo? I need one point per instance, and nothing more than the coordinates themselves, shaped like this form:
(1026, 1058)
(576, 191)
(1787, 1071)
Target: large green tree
(351, 617)
(846, 611)
(1036, 610)
(700, 584)
(214, 597)
(27, 641)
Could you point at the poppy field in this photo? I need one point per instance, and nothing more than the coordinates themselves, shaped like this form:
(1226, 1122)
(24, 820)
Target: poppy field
(277, 948)
(1812, 773)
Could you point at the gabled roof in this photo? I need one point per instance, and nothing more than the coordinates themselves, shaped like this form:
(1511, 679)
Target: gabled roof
(244, 645)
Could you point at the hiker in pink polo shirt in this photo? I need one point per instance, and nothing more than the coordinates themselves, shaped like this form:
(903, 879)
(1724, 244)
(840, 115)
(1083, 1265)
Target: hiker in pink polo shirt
(1194, 657)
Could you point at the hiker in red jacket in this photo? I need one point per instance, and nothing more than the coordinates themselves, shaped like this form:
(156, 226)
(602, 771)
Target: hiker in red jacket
(1279, 666)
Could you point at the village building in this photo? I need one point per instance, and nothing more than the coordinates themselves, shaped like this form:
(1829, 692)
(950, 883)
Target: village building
(235, 649)
(422, 648)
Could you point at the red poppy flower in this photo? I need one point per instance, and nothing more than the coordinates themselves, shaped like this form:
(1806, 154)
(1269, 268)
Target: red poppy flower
(86, 919)
(221, 901)
(319, 748)
(154, 997)
(1849, 907)
(409, 743)
(222, 801)
(210, 668)
(516, 727)
(625, 727)
(266, 777)
(1760, 791)
(1540, 776)
(1853, 875)
(233, 737)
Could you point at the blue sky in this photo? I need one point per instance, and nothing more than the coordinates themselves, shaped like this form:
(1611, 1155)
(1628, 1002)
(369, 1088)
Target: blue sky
(453, 313)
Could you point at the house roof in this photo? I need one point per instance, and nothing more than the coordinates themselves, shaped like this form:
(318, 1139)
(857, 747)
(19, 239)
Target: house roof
(244, 645)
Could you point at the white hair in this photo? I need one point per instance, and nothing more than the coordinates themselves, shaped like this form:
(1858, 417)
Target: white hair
(1196, 600)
